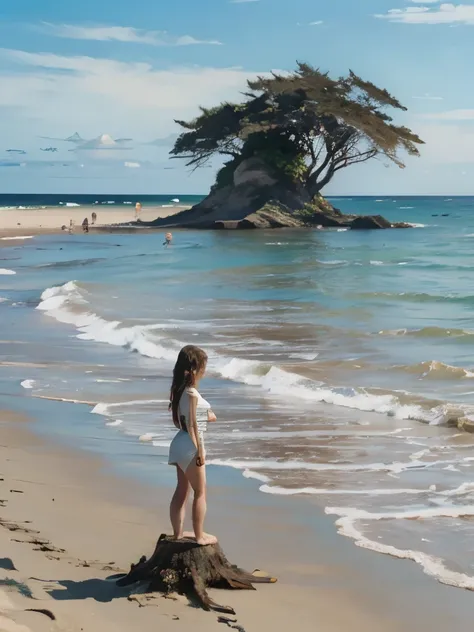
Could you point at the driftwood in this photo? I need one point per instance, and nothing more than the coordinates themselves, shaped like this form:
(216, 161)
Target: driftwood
(44, 611)
(185, 567)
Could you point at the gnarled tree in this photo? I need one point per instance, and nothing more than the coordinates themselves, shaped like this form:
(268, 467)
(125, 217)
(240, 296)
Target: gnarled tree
(304, 125)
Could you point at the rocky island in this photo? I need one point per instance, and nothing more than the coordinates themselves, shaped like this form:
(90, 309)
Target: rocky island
(283, 145)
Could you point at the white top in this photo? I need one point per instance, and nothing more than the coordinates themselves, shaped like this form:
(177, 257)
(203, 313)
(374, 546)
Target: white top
(201, 409)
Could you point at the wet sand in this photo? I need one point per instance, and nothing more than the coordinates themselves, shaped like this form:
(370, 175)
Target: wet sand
(91, 525)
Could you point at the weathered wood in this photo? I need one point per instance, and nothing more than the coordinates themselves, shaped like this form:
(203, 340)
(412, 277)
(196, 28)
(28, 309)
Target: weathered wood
(185, 567)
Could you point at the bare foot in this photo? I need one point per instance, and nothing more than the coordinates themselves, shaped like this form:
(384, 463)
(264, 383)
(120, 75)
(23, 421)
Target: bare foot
(185, 534)
(206, 539)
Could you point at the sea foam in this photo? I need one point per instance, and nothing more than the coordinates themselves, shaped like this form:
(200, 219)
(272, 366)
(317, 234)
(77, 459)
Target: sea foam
(68, 304)
(28, 384)
(266, 464)
(105, 409)
(433, 566)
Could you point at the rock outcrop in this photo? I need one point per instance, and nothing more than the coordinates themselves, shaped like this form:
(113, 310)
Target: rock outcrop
(370, 222)
(272, 215)
(258, 198)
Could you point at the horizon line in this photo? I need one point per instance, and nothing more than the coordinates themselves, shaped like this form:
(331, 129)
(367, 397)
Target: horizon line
(332, 195)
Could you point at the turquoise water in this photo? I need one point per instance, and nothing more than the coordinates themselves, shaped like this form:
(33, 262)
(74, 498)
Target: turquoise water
(338, 359)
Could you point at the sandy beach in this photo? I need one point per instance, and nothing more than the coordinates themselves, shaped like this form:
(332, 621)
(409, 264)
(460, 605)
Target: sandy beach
(94, 327)
(26, 222)
(236, 317)
(67, 526)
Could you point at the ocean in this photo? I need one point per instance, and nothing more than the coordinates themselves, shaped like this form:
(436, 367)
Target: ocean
(33, 201)
(339, 361)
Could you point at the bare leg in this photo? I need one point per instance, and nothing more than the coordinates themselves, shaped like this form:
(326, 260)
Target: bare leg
(197, 477)
(178, 504)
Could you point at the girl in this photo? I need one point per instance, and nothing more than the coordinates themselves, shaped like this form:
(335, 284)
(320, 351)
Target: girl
(191, 413)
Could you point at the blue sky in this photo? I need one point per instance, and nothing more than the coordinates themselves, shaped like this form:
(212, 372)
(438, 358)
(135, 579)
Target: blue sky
(128, 69)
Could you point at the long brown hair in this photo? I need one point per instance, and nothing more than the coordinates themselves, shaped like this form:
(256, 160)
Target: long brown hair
(190, 363)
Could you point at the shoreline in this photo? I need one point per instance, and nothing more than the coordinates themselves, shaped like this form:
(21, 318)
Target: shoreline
(289, 537)
(317, 569)
(84, 552)
(19, 224)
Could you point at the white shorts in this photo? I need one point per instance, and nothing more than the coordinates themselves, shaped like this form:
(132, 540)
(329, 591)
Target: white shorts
(182, 450)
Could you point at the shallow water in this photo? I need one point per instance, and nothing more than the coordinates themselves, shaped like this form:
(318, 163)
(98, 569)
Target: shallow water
(336, 358)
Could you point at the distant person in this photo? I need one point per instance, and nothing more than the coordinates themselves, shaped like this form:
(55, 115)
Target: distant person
(168, 239)
(85, 225)
(71, 226)
(94, 217)
(138, 210)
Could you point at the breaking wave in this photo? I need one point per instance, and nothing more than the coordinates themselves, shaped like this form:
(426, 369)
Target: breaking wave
(348, 525)
(68, 304)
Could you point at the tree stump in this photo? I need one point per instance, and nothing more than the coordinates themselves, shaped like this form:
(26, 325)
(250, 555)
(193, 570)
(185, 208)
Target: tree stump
(185, 567)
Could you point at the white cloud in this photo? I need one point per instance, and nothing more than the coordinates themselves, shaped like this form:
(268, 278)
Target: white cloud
(316, 23)
(451, 115)
(446, 13)
(121, 34)
(446, 143)
(132, 165)
(53, 95)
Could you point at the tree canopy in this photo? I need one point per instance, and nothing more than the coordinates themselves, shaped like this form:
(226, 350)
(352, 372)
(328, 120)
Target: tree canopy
(305, 124)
